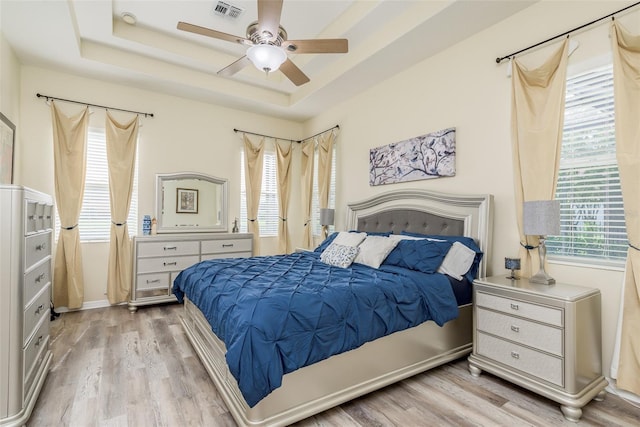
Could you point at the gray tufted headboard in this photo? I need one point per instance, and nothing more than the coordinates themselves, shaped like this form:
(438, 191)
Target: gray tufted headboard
(427, 212)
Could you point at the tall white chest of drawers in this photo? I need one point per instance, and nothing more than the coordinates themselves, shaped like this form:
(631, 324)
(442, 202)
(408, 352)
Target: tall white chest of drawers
(544, 338)
(159, 259)
(26, 220)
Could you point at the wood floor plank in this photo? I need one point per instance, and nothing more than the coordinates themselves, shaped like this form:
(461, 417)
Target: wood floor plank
(113, 368)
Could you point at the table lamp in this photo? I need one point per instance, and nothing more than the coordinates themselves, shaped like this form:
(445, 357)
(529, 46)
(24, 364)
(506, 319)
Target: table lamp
(326, 219)
(512, 264)
(541, 218)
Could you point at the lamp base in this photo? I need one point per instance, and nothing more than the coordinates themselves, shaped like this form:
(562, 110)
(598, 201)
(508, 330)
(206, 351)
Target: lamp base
(543, 278)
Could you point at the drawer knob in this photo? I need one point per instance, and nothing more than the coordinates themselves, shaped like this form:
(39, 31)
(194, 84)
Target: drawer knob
(40, 277)
(515, 306)
(39, 341)
(170, 248)
(40, 308)
(229, 245)
(153, 281)
(515, 355)
(515, 328)
(170, 263)
(41, 247)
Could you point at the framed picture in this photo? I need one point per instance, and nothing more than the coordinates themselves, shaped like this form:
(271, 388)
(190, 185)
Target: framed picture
(7, 138)
(187, 200)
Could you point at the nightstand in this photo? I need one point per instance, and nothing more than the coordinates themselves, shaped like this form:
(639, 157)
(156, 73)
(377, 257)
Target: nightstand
(544, 338)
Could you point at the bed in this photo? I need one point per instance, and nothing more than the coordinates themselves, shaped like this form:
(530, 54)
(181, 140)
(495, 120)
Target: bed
(375, 364)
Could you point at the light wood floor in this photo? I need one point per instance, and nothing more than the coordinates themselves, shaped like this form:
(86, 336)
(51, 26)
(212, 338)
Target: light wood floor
(113, 368)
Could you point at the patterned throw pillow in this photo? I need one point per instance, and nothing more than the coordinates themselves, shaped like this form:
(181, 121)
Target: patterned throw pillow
(339, 255)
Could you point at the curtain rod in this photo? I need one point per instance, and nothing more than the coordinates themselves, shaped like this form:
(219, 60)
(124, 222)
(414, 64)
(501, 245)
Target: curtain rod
(286, 139)
(566, 33)
(92, 105)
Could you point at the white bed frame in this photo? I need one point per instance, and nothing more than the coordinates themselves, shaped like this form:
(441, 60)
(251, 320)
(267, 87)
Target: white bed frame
(343, 377)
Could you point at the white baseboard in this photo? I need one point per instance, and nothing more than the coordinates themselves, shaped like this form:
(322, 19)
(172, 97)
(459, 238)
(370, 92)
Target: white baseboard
(88, 305)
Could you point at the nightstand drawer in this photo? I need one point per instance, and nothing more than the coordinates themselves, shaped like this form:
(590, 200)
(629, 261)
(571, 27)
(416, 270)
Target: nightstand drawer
(35, 311)
(168, 248)
(543, 366)
(536, 335)
(35, 280)
(152, 281)
(550, 315)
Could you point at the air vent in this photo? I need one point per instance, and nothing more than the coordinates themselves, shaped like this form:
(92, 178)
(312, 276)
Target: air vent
(227, 10)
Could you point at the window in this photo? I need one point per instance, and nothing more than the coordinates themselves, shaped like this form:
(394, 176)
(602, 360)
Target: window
(591, 210)
(95, 216)
(268, 210)
(315, 203)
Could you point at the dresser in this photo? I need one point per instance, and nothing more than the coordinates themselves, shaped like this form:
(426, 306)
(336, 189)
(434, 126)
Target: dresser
(157, 260)
(544, 338)
(26, 220)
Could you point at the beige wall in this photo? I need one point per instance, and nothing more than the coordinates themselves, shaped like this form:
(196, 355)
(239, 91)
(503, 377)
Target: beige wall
(10, 91)
(184, 135)
(463, 87)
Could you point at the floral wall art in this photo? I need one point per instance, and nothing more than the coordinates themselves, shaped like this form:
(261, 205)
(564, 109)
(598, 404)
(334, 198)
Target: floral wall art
(428, 156)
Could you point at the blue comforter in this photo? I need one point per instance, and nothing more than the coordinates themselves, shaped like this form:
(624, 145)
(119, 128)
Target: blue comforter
(276, 314)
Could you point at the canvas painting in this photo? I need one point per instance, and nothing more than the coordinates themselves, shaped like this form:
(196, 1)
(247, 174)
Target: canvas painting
(428, 156)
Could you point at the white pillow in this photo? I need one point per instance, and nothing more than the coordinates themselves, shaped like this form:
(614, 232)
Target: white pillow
(457, 261)
(339, 255)
(349, 239)
(374, 249)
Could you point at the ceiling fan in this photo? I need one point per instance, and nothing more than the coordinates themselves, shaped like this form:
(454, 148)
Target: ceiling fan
(268, 44)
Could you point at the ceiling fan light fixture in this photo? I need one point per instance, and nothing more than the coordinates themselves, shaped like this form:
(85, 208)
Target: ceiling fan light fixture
(266, 57)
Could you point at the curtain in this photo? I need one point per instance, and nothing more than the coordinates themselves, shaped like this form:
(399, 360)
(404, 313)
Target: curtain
(325, 157)
(537, 116)
(253, 164)
(308, 149)
(283, 172)
(626, 80)
(121, 157)
(69, 155)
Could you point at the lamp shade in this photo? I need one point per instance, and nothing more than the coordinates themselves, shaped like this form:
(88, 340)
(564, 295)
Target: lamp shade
(541, 218)
(266, 57)
(326, 216)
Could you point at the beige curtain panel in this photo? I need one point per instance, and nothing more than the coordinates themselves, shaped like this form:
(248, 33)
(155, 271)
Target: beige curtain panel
(69, 154)
(308, 150)
(253, 164)
(626, 77)
(325, 157)
(284, 153)
(537, 117)
(122, 139)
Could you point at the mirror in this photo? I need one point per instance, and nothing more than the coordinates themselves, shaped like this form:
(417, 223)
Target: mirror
(190, 202)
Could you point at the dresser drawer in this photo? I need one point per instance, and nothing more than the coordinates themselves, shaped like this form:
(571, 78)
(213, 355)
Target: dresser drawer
(541, 365)
(35, 280)
(34, 352)
(226, 255)
(168, 248)
(540, 313)
(167, 263)
(38, 308)
(152, 281)
(226, 246)
(536, 335)
(37, 247)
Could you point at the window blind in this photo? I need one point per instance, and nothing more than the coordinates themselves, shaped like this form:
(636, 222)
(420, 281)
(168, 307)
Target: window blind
(591, 209)
(268, 210)
(95, 217)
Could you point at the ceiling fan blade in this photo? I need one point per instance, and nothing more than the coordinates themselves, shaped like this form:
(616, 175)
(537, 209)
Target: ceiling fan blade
(317, 46)
(269, 12)
(234, 67)
(294, 73)
(184, 26)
